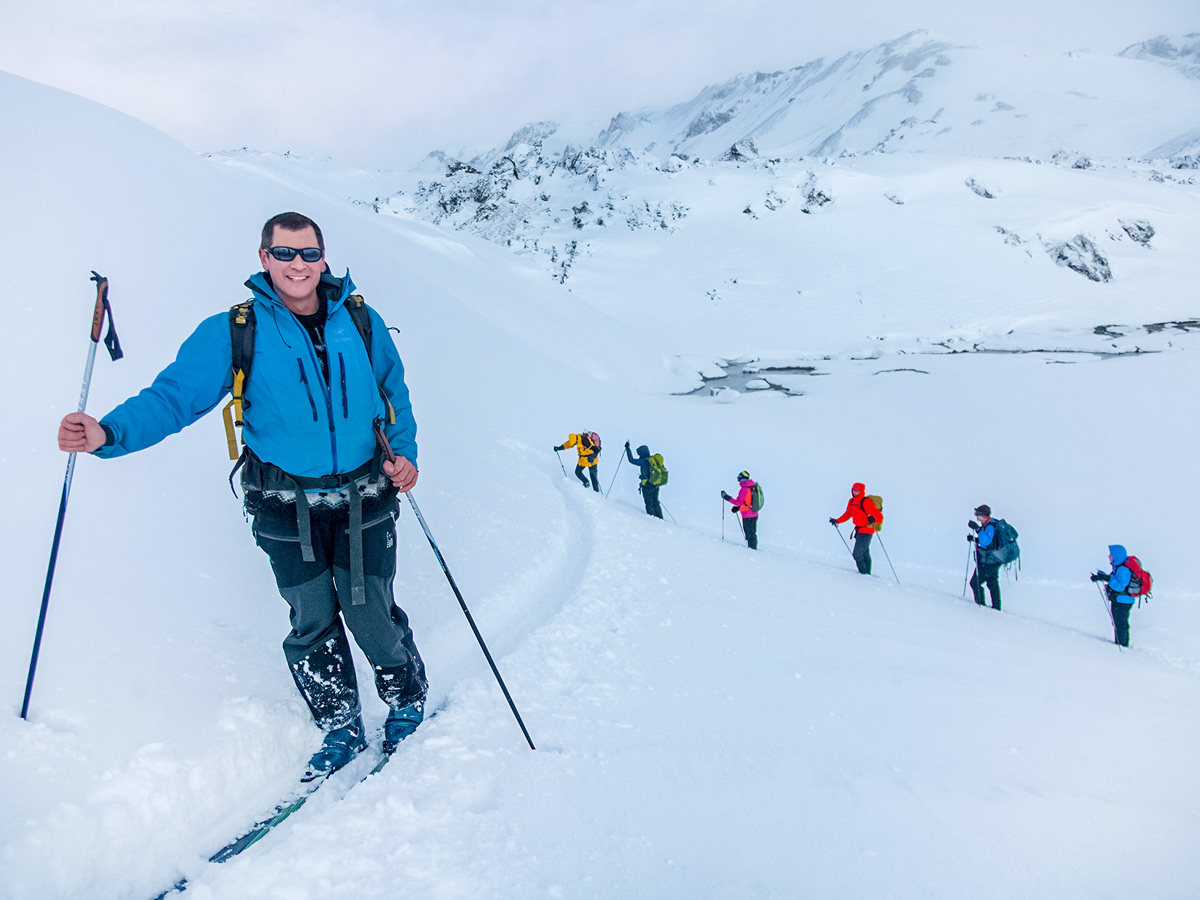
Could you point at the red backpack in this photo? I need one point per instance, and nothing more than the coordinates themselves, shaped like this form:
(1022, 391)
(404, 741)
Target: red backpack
(1139, 580)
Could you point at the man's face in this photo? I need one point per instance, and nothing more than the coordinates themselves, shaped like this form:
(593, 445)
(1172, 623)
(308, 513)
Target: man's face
(855, 493)
(295, 280)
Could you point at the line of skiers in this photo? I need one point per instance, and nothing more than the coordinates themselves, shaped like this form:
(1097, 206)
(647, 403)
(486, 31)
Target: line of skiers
(993, 540)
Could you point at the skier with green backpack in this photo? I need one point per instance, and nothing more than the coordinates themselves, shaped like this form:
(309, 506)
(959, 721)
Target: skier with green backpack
(653, 475)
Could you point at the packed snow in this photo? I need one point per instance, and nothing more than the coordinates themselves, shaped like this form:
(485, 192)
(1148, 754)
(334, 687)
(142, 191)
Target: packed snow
(710, 721)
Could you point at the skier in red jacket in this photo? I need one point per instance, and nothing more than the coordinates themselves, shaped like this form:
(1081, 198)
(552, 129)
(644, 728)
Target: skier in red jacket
(866, 516)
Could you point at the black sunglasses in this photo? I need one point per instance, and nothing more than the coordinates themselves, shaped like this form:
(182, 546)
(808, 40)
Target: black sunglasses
(287, 254)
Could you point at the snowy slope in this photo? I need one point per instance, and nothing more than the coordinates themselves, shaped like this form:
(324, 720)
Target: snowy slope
(711, 722)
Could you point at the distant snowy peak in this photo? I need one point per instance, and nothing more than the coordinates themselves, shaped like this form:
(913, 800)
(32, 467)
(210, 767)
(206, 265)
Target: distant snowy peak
(814, 109)
(925, 93)
(1183, 53)
(921, 93)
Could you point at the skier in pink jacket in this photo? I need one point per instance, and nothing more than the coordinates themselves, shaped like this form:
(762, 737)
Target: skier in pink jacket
(742, 504)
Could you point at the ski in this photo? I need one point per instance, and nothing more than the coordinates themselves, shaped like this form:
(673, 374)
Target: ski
(257, 831)
(282, 811)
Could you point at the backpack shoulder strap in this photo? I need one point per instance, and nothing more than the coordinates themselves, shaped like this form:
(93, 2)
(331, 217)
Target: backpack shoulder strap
(241, 338)
(360, 313)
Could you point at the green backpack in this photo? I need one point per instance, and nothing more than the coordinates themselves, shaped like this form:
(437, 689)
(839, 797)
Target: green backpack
(756, 497)
(658, 472)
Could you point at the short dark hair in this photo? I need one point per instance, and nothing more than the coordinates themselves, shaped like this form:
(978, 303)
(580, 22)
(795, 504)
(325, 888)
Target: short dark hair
(290, 221)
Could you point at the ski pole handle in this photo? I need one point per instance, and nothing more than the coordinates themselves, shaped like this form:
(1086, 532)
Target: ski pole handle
(102, 311)
(381, 439)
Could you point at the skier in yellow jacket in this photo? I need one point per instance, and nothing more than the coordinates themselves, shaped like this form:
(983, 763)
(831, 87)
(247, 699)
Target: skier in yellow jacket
(587, 444)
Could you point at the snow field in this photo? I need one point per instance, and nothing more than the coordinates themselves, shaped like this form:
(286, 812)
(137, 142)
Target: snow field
(711, 722)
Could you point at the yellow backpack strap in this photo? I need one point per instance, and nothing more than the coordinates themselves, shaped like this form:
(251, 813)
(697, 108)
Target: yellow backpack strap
(241, 339)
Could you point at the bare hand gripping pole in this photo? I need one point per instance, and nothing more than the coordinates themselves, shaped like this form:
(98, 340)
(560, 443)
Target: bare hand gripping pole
(391, 457)
(113, 344)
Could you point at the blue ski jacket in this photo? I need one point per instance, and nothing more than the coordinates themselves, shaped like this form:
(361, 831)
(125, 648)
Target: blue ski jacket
(642, 461)
(1118, 581)
(294, 418)
(987, 535)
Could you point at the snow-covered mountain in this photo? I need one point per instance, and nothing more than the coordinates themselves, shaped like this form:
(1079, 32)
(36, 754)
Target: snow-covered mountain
(950, 176)
(711, 722)
(1184, 55)
(920, 93)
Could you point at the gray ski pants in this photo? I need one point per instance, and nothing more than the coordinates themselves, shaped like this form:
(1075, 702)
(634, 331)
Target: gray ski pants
(317, 649)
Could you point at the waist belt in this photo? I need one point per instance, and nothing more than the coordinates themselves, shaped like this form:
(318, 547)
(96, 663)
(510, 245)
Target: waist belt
(262, 476)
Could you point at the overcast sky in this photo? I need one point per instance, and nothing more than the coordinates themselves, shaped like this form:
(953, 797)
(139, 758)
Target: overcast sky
(382, 82)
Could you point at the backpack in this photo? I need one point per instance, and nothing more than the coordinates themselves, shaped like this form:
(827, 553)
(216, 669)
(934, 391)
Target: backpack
(242, 326)
(589, 440)
(756, 497)
(1140, 581)
(1004, 549)
(878, 501)
(658, 472)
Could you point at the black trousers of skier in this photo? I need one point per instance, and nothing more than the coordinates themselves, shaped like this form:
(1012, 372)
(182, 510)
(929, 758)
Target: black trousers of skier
(862, 552)
(989, 575)
(318, 592)
(579, 470)
(750, 530)
(1120, 617)
(650, 498)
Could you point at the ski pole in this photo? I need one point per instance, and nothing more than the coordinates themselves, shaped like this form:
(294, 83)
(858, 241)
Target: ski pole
(113, 345)
(722, 521)
(668, 512)
(888, 558)
(620, 459)
(967, 574)
(1107, 609)
(560, 464)
(843, 537)
(412, 501)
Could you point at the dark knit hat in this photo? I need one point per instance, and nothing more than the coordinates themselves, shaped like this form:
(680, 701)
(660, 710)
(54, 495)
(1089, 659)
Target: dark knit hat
(983, 510)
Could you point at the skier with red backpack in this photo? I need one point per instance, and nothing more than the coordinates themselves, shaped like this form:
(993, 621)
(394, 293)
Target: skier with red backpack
(1127, 582)
(587, 444)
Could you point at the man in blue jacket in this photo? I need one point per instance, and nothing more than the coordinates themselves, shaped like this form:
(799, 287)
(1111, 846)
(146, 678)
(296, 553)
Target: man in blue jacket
(324, 503)
(986, 571)
(1117, 583)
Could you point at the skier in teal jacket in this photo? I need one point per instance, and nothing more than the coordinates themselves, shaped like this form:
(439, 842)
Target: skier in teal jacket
(324, 502)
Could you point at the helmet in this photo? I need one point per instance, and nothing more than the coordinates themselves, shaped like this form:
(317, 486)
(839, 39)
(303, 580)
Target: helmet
(743, 475)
